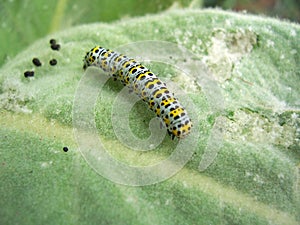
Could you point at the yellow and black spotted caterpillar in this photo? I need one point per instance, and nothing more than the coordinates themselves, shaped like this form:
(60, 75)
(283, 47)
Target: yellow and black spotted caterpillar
(146, 85)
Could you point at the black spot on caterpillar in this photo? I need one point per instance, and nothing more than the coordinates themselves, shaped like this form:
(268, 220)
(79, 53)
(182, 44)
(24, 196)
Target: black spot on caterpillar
(146, 85)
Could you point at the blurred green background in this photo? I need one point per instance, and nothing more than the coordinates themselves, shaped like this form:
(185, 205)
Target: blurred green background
(23, 22)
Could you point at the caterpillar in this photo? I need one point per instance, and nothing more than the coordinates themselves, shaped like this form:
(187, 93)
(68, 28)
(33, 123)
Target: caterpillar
(146, 85)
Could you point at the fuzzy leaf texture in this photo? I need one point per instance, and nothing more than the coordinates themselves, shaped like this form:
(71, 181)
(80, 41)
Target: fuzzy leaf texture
(254, 178)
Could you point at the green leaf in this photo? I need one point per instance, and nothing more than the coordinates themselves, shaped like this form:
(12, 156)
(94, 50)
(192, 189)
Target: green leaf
(254, 178)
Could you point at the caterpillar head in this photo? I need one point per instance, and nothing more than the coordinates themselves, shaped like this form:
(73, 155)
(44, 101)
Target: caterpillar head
(91, 57)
